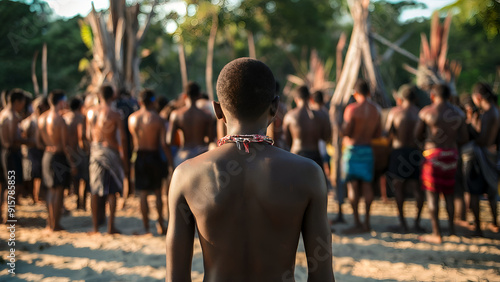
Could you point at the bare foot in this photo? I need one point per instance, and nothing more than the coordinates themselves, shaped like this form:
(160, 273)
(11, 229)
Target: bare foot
(93, 233)
(357, 229)
(492, 227)
(462, 223)
(434, 239)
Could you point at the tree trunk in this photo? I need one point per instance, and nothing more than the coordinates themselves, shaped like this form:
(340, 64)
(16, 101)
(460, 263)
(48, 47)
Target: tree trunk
(210, 57)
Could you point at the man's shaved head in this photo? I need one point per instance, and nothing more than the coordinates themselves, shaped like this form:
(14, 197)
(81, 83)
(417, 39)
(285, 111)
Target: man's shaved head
(246, 88)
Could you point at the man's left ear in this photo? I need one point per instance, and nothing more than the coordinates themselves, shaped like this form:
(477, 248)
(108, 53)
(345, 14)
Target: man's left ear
(218, 111)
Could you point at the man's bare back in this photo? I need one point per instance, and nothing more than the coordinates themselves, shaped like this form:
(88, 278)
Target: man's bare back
(249, 227)
(104, 122)
(306, 127)
(148, 128)
(444, 123)
(194, 123)
(401, 121)
(52, 131)
(362, 123)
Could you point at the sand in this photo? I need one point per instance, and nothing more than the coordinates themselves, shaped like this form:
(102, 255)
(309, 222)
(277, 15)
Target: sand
(73, 255)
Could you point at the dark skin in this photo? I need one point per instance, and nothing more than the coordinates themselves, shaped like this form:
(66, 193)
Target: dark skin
(196, 125)
(10, 138)
(303, 127)
(102, 125)
(249, 210)
(400, 125)
(30, 131)
(441, 125)
(488, 136)
(53, 134)
(361, 125)
(75, 121)
(148, 132)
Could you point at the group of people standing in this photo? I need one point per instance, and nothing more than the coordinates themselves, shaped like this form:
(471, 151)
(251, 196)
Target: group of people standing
(95, 146)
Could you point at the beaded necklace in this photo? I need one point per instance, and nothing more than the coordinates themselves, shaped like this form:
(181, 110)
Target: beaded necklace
(244, 140)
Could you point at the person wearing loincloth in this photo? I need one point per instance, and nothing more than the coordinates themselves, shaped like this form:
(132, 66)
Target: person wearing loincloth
(148, 134)
(108, 158)
(304, 127)
(406, 158)
(56, 170)
(197, 127)
(362, 124)
(32, 164)
(10, 138)
(481, 155)
(441, 127)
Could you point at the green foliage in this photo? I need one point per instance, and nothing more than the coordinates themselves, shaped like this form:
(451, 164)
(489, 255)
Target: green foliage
(23, 32)
(485, 13)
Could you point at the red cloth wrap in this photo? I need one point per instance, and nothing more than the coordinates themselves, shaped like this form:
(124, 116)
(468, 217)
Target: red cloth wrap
(439, 169)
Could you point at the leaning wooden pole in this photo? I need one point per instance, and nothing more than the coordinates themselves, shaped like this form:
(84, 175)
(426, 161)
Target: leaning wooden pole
(210, 57)
(251, 45)
(182, 61)
(36, 88)
(45, 82)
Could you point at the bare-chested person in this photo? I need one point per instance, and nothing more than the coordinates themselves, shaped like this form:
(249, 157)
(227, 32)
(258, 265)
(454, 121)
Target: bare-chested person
(10, 138)
(442, 127)
(108, 157)
(304, 127)
(361, 125)
(56, 170)
(249, 208)
(148, 135)
(480, 156)
(195, 124)
(406, 157)
(33, 168)
(78, 146)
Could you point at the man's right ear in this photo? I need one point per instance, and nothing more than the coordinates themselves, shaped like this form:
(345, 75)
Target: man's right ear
(218, 111)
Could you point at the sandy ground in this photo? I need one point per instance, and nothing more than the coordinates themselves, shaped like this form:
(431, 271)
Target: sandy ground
(74, 255)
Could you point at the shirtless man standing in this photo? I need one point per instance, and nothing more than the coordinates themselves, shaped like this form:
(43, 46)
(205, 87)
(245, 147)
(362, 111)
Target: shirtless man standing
(441, 126)
(196, 126)
(148, 134)
(108, 157)
(11, 141)
(249, 202)
(304, 127)
(56, 171)
(78, 144)
(406, 157)
(361, 125)
(29, 128)
(484, 151)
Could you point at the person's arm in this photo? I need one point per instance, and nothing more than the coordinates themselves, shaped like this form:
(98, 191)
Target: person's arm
(347, 127)
(88, 124)
(419, 132)
(165, 147)
(316, 231)
(172, 129)
(389, 125)
(38, 135)
(211, 129)
(327, 129)
(123, 143)
(486, 127)
(180, 232)
(286, 131)
(61, 123)
(463, 134)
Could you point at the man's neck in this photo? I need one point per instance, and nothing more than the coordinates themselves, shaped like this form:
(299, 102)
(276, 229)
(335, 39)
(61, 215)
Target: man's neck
(406, 104)
(238, 128)
(485, 105)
